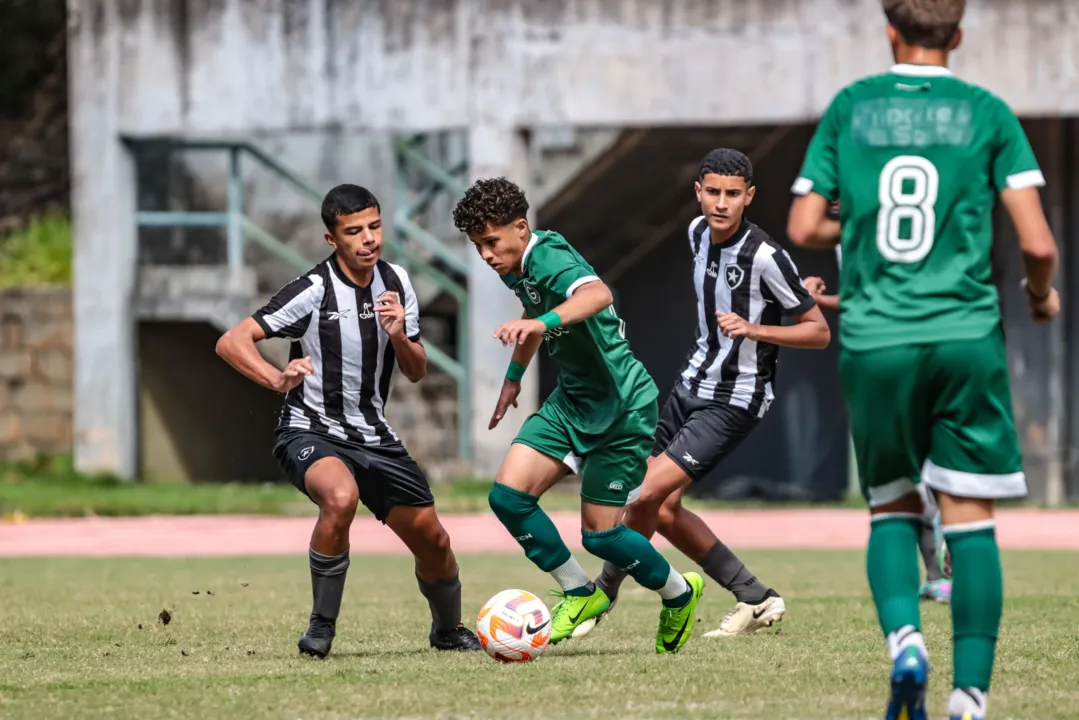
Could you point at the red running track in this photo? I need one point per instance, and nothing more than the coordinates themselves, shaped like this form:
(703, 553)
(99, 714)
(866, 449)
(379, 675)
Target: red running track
(245, 535)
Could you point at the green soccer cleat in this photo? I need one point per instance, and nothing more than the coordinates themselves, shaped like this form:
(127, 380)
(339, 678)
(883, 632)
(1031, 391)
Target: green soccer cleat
(573, 611)
(676, 624)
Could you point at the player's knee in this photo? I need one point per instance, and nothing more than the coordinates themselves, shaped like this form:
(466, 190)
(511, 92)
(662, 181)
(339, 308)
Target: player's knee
(649, 502)
(338, 504)
(436, 539)
(507, 503)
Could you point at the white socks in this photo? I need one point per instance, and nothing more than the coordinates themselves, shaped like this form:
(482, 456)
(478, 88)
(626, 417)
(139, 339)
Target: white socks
(903, 638)
(967, 700)
(676, 586)
(570, 575)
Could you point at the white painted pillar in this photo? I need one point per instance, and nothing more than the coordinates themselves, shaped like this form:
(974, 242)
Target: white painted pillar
(495, 151)
(103, 204)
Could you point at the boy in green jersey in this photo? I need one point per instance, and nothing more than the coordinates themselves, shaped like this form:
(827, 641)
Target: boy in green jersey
(598, 422)
(915, 157)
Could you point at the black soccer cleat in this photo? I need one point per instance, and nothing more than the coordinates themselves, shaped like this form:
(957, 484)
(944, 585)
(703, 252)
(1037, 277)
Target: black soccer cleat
(319, 637)
(459, 638)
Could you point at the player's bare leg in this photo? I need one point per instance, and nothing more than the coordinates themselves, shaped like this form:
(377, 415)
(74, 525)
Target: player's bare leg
(977, 599)
(436, 572)
(333, 488)
(660, 508)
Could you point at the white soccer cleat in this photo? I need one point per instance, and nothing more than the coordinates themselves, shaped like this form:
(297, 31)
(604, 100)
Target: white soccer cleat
(746, 619)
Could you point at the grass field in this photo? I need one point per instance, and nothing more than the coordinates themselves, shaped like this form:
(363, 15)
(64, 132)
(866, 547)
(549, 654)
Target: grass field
(71, 645)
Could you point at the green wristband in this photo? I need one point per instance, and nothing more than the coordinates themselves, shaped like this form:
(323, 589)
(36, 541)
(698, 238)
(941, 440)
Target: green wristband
(515, 372)
(550, 320)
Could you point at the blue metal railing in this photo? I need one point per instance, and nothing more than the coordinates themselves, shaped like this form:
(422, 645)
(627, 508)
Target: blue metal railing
(239, 228)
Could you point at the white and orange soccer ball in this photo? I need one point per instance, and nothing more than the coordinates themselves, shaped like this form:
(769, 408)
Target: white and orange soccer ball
(514, 626)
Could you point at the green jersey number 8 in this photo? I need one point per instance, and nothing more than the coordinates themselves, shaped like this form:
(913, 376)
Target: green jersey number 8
(907, 219)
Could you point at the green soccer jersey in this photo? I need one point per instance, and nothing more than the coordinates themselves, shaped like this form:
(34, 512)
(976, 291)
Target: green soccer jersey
(599, 378)
(915, 158)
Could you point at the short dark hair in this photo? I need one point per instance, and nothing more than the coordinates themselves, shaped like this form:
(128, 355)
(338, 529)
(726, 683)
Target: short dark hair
(491, 201)
(725, 161)
(346, 200)
(925, 23)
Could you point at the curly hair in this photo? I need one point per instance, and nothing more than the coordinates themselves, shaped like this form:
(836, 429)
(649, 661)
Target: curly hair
(492, 201)
(925, 23)
(724, 161)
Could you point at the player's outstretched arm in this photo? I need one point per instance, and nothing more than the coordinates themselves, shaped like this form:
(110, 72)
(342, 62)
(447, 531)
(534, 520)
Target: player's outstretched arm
(587, 300)
(237, 348)
(1038, 247)
(809, 223)
(810, 330)
(511, 386)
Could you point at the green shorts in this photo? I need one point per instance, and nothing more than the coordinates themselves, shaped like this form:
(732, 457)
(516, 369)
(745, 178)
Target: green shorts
(938, 413)
(611, 465)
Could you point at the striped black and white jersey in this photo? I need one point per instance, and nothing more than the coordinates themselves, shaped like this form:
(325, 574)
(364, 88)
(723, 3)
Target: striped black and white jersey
(332, 320)
(751, 275)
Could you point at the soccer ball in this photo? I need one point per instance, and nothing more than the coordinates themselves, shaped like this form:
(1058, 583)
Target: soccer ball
(514, 626)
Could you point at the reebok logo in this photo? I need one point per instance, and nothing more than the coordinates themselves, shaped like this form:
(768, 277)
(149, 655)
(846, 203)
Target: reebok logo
(339, 314)
(305, 453)
(690, 460)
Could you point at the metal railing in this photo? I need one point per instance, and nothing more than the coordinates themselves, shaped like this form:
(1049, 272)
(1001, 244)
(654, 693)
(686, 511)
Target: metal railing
(239, 228)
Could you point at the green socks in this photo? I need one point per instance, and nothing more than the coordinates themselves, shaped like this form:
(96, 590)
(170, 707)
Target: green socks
(520, 513)
(892, 567)
(631, 552)
(977, 601)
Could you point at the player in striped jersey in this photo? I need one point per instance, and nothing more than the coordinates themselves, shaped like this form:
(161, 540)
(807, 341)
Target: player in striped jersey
(352, 318)
(746, 284)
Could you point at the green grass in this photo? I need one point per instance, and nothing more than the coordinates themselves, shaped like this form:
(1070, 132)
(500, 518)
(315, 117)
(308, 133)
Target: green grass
(71, 645)
(38, 254)
(50, 487)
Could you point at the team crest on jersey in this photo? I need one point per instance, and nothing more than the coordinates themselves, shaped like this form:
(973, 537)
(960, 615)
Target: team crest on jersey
(733, 275)
(532, 293)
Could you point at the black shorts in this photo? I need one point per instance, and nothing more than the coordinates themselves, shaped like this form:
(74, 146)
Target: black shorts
(697, 433)
(386, 475)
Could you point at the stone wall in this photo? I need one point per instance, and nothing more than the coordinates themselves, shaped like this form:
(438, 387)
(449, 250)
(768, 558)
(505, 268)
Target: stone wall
(35, 371)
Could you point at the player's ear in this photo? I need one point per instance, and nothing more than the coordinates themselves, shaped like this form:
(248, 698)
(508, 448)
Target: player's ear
(893, 35)
(751, 192)
(330, 240)
(521, 224)
(697, 189)
(956, 40)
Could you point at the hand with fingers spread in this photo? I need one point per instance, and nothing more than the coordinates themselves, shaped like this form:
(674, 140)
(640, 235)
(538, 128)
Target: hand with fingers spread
(733, 325)
(508, 397)
(391, 313)
(516, 332)
(293, 374)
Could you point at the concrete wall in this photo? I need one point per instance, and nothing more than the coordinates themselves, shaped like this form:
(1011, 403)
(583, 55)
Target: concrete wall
(35, 371)
(180, 66)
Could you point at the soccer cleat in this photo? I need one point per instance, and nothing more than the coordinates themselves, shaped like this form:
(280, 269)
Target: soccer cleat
(319, 637)
(746, 619)
(910, 675)
(939, 590)
(589, 625)
(459, 638)
(676, 624)
(573, 611)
